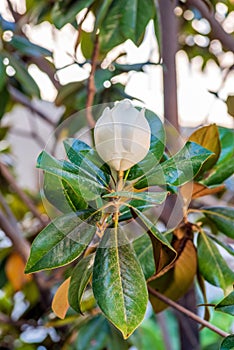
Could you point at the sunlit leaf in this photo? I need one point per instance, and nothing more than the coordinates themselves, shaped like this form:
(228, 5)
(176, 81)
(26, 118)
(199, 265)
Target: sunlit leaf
(226, 305)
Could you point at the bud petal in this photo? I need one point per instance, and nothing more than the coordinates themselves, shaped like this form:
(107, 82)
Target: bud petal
(122, 135)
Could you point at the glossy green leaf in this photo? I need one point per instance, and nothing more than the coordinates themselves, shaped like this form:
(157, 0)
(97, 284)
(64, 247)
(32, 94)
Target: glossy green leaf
(227, 343)
(118, 282)
(208, 137)
(93, 335)
(157, 146)
(220, 173)
(226, 136)
(125, 20)
(85, 157)
(26, 47)
(62, 241)
(224, 245)
(212, 265)
(151, 197)
(144, 251)
(179, 169)
(223, 217)
(156, 233)
(79, 280)
(81, 182)
(226, 305)
(61, 195)
(26, 81)
(63, 14)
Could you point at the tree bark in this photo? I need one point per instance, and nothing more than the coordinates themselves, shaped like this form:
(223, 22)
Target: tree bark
(169, 32)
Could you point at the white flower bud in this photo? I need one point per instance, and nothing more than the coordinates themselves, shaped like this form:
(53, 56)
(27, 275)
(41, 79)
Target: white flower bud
(122, 136)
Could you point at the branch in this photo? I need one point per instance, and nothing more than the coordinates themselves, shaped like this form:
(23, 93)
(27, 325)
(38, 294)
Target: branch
(15, 235)
(187, 312)
(10, 179)
(217, 31)
(91, 85)
(25, 101)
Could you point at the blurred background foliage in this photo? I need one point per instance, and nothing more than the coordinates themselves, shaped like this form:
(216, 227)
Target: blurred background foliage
(205, 30)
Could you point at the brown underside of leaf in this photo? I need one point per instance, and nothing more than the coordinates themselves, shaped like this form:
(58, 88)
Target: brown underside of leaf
(60, 303)
(178, 279)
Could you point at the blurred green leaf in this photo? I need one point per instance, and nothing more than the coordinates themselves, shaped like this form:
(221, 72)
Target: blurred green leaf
(26, 81)
(62, 14)
(220, 173)
(3, 75)
(118, 281)
(226, 305)
(227, 343)
(125, 20)
(223, 217)
(86, 44)
(26, 47)
(79, 279)
(211, 264)
(4, 98)
(61, 242)
(93, 335)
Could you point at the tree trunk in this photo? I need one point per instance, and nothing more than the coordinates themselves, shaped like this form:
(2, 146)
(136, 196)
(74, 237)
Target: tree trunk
(189, 336)
(169, 30)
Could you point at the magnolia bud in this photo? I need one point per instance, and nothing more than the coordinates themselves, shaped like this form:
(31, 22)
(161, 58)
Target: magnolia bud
(122, 135)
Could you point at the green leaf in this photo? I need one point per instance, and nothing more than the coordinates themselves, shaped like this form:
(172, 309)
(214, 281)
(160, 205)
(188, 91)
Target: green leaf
(85, 157)
(144, 251)
(211, 264)
(125, 20)
(81, 182)
(118, 282)
(79, 280)
(226, 305)
(86, 44)
(62, 241)
(179, 169)
(63, 14)
(151, 197)
(226, 246)
(28, 48)
(61, 195)
(208, 137)
(227, 343)
(220, 173)
(26, 81)
(223, 217)
(4, 98)
(157, 146)
(3, 75)
(227, 144)
(93, 335)
(169, 253)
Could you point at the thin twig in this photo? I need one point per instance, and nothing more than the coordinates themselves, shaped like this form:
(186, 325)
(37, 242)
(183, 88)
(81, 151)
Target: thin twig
(22, 99)
(91, 85)
(10, 179)
(188, 313)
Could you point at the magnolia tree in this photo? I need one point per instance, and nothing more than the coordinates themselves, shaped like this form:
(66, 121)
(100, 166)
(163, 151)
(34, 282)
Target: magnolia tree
(121, 230)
